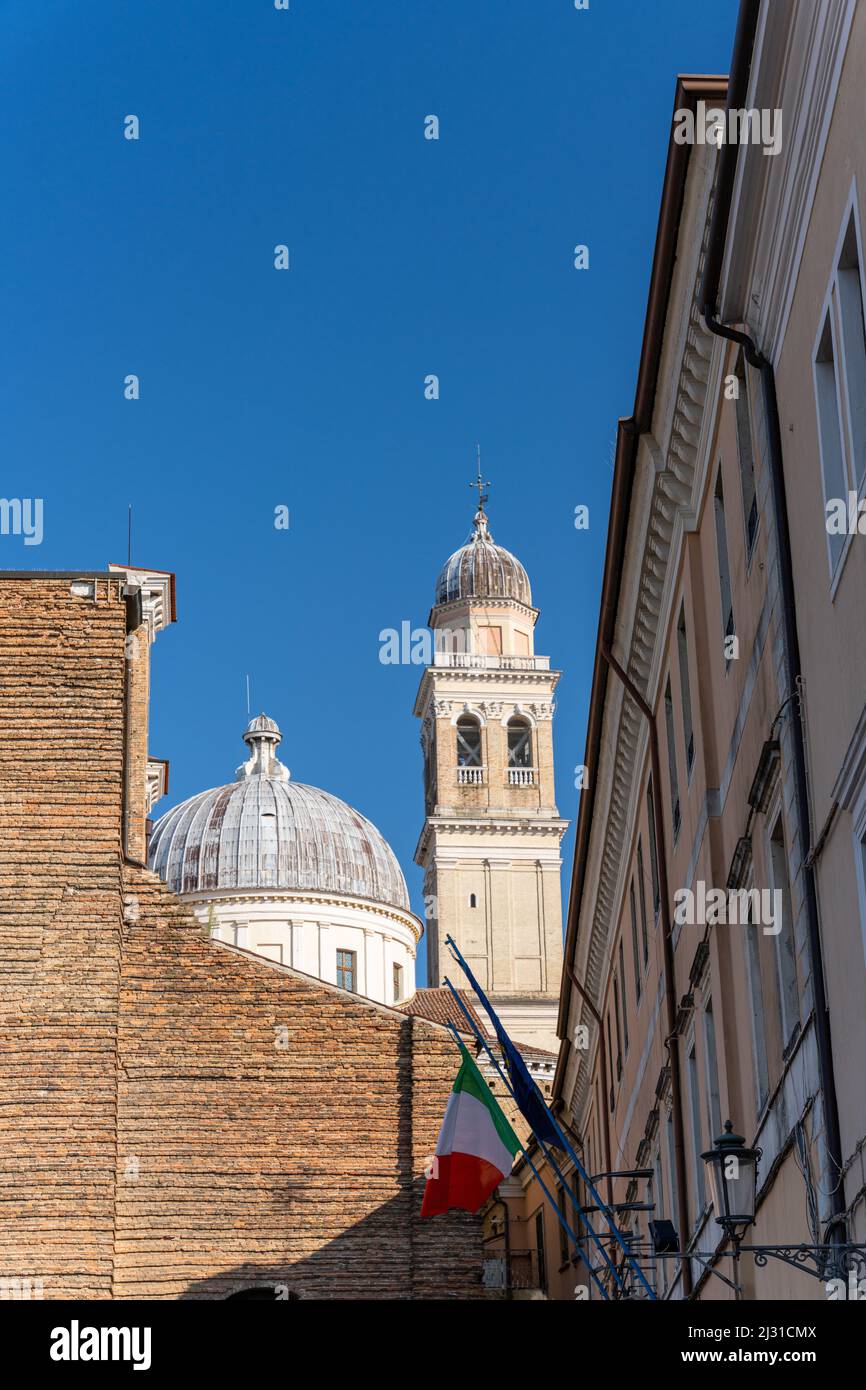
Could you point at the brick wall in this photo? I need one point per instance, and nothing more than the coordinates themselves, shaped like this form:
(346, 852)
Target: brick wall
(181, 1119)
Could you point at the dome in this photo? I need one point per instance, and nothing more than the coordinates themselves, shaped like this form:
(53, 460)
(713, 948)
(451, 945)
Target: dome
(265, 831)
(481, 569)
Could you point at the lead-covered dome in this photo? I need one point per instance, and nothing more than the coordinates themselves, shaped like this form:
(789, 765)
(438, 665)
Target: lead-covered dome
(481, 569)
(265, 831)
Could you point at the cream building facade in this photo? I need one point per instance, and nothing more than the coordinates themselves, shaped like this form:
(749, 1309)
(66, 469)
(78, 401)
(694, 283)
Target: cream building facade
(731, 645)
(490, 845)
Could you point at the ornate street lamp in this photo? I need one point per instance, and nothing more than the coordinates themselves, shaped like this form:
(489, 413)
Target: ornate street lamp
(733, 1170)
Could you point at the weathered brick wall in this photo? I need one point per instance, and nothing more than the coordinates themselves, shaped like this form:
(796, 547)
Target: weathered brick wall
(271, 1128)
(182, 1119)
(61, 703)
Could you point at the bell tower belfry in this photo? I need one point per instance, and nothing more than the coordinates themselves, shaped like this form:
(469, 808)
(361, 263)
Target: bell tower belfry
(490, 846)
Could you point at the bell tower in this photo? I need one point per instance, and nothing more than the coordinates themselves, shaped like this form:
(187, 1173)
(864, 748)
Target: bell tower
(490, 846)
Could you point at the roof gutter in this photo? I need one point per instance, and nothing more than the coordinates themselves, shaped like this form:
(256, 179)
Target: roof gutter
(740, 69)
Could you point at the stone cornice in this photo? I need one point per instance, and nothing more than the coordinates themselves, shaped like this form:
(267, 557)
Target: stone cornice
(467, 680)
(157, 595)
(289, 896)
(552, 827)
(671, 459)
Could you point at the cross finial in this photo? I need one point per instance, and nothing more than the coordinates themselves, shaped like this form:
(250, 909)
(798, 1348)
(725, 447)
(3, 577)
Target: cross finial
(482, 495)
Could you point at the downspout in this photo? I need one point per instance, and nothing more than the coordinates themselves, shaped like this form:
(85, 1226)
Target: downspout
(737, 89)
(602, 1058)
(668, 965)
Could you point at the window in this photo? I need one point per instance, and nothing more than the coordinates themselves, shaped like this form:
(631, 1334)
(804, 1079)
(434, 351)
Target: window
(786, 964)
(642, 893)
(563, 1234)
(610, 1059)
(653, 848)
(347, 962)
(473, 901)
(711, 1067)
(756, 1001)
(624, 1009)
(839, 369)
(672, 760)
(724, 565)
(468, 741)
(539, 1251)
(685, 692)
(695, 1117)
(490, 640)
(672, 1181)
(634, 946)
(519, 743)
(398, 982)
(745, 454)
(575, 1224)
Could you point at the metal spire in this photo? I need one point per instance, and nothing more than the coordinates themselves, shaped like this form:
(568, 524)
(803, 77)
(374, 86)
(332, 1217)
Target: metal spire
(482, 495)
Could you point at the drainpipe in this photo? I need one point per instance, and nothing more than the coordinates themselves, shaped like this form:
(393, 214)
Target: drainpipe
(668, 959)
(737, 90)
(605, 1084)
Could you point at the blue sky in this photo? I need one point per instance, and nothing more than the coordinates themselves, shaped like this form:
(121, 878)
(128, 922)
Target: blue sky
(305, 388)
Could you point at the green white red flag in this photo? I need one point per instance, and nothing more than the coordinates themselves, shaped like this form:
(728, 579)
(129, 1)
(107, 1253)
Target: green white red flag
(475, 1149)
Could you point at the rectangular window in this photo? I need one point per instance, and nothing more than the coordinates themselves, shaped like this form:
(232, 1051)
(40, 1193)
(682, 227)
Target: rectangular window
(642, 894)
(756, 1001)
(672, 761)
(634, 945)
(746, 455)
(849, 280)
(672, 1181)
(539, 1251)
(839, 373)
(624, 1009)
(347, 963)
(696, 1144)
(398, 982)
(685, 692)
(653, 848)
(711, 1065)
(786, 963)
(610, 1059)
(490, 640)
(830, 433)
(563, 1234)
(574, 1223)
(724, 565)
(616, 1019)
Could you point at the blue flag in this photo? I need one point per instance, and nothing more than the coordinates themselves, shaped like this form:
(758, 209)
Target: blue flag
(529, 1099)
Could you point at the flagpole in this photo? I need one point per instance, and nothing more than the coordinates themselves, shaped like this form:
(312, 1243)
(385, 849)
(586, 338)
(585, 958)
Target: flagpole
(582, 1215)
(602, 1206)
(548, 1194)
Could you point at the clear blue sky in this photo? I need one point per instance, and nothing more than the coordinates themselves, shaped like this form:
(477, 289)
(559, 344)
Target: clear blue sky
(305, 387)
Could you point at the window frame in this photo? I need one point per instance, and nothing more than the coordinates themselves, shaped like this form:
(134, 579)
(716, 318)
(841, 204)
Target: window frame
(342, 969)
(850, 427)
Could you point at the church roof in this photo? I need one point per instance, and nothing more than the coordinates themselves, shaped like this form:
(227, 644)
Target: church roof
(266, 831)
(482, 569)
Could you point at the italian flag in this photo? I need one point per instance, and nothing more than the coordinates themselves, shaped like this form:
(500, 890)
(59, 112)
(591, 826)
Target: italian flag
(475, 1149)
